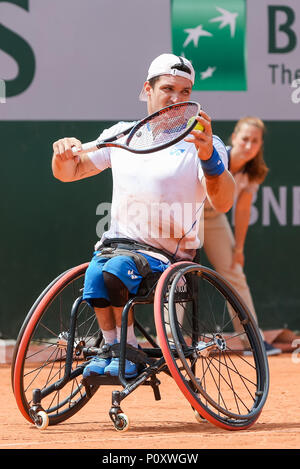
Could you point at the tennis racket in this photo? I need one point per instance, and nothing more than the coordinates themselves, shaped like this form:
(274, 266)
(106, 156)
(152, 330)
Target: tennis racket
(156, 132)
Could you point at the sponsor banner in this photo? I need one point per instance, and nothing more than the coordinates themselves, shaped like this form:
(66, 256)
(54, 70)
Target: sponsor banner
(75, 60)
(202, 31)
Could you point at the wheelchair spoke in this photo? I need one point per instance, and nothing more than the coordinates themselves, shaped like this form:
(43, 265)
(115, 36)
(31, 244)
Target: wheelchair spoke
(209, 329)
(44, 360)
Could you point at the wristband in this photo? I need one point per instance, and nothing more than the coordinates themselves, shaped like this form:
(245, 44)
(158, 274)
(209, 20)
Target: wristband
(214, 166)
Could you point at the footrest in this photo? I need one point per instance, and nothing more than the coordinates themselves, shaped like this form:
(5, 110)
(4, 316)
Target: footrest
(101, 380)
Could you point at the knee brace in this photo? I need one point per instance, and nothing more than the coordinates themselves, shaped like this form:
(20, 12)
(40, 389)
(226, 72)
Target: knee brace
(117, 292)
(99, 302)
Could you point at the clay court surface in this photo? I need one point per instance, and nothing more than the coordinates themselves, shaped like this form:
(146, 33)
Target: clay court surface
(165, 424)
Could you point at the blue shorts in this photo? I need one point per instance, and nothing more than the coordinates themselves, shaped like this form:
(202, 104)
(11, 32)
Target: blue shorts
(122, 267)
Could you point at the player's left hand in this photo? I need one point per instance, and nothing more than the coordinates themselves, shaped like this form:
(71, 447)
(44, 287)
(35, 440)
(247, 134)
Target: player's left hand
(202, 139)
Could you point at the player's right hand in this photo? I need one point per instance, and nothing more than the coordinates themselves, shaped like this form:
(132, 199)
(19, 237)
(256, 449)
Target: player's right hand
(62, 149)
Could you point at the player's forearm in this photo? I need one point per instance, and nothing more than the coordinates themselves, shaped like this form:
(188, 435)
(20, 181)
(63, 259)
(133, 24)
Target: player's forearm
(241, 224)
(65, 171)
(220, 191)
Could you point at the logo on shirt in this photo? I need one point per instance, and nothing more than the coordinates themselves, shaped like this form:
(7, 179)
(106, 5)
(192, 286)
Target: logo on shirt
(177, 151)
(132, 275)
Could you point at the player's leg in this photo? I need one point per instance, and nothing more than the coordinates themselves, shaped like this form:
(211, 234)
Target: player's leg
(108, 295)
(109, 282)
(95, 293)
(122, 278)
(106, 323)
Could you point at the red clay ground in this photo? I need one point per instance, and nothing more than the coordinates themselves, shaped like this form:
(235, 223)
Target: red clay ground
(165, 424)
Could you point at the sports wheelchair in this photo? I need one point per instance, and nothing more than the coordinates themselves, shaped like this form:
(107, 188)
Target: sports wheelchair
(197, 343)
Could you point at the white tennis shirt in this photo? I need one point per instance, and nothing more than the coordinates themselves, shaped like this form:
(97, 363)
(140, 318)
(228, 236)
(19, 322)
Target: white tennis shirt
(158, 197)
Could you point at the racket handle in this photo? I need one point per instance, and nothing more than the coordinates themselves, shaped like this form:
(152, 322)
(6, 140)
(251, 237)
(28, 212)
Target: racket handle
(86, 148)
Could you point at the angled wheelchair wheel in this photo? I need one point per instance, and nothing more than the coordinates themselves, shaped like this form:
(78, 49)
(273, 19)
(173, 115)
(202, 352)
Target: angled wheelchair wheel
(40, 353)
(202, 345)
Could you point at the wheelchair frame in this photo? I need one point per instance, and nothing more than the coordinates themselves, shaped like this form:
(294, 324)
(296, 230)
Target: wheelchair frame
(153, 360)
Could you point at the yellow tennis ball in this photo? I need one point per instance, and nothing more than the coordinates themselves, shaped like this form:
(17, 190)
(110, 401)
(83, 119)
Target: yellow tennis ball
(198, 126)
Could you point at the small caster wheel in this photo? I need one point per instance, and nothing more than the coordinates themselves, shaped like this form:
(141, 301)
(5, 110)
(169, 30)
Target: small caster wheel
(42, 420)
(198, 417)
(121, 422)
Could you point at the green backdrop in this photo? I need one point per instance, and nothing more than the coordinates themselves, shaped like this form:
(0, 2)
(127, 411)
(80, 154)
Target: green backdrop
(48, 226)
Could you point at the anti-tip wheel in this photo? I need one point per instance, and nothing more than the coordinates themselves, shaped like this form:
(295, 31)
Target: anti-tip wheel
(42, 420)
(198, 417)
(121, 423)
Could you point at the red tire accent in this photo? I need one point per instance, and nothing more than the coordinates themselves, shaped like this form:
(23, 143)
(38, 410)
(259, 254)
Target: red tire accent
(45, 301)
(169, 358)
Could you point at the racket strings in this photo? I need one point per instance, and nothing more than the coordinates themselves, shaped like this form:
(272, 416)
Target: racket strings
(163, 128)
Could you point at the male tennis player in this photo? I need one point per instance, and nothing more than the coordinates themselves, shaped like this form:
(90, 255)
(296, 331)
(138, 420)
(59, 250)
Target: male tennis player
(179, 178)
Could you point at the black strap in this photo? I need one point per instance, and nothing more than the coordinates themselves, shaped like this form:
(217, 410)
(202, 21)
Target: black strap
(130, 244)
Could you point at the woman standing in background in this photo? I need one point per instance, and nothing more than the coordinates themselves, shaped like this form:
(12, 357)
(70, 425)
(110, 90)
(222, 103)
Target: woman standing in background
(225, 248)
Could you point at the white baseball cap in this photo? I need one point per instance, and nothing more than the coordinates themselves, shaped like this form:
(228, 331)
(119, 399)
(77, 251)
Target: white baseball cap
(169, 64)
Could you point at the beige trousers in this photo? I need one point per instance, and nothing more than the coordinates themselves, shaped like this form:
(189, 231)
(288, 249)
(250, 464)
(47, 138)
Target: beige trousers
(218, 246)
